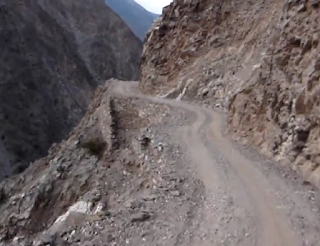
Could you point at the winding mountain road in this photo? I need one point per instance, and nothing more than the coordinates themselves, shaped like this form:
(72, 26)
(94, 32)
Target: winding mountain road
(248, 201)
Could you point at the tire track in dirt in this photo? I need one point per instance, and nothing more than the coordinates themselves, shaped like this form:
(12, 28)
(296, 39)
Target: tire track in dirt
(204, 135)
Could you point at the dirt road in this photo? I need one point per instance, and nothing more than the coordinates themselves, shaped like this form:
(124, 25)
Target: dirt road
(249, 201)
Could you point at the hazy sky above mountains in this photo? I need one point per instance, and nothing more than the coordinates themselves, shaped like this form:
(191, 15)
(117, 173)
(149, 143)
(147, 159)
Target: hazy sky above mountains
(154, 6)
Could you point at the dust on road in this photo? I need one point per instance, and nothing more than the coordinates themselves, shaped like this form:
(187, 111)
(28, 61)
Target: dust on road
(244, 206)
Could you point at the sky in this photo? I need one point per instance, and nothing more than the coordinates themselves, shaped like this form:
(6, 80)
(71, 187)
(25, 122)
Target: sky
(154, 6)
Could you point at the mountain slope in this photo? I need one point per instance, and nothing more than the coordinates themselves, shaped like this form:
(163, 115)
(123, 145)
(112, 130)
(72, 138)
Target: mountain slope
(53, 55)
(92, 187)
(136, 17)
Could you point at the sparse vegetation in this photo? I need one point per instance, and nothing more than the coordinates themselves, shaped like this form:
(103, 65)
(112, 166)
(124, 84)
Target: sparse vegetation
(3, 196)
(95, 146)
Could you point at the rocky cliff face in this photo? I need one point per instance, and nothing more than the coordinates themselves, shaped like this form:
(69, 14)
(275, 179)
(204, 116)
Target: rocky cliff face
(281, 105)
(206, 45)
(258, 60)
(53, 55)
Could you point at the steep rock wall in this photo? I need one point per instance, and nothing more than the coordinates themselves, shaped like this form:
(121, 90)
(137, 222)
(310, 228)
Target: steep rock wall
(53, 55)
(279, 111)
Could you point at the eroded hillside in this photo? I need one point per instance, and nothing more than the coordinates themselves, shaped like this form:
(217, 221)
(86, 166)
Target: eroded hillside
(109, 182)
(258, 60)
(53, 55)
(146, 170)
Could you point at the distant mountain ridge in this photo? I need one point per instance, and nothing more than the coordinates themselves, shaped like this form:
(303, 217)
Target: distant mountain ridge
(135, 16)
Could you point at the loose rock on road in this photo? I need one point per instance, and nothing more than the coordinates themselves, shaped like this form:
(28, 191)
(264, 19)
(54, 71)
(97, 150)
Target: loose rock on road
(247, 201)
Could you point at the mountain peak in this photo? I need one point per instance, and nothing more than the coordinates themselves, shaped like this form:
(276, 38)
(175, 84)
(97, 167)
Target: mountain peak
(136, 16)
